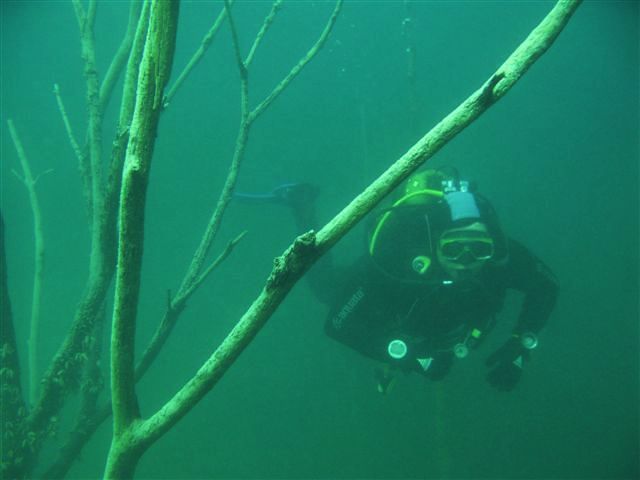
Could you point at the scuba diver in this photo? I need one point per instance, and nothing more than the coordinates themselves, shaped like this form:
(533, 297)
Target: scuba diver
(433, 279)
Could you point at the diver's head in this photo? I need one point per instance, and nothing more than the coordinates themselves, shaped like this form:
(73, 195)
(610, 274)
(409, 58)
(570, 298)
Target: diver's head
(470, 238)
(462, 251)
(423, 188)
(439, 221)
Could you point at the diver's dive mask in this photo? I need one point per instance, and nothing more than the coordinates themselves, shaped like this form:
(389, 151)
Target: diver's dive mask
(454, 249)
(465, 247)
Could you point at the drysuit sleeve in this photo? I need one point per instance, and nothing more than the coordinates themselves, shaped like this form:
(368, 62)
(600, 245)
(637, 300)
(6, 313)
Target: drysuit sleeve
(529, 275)
(359, 318)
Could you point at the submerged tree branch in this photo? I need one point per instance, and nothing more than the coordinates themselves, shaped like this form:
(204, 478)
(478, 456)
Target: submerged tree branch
(86, 22)
(64, 373)
(307, 248)
(300, 65)
(154, 73)
(246, 121)
(14, 459)
(72, 139)
(197, 56)
(86, 417)
(38, 255)
(138, 433)
(538, 41)
(275, 8)
(174, 309)
(122, 54)
(225, 253)
(82, 336)
(236, 43)
(155, 70)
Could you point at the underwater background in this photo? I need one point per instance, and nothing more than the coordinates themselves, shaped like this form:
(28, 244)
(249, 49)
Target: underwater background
(558, 157)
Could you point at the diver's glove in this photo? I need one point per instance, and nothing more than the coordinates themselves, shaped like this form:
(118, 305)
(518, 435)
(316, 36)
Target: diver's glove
(506, 365)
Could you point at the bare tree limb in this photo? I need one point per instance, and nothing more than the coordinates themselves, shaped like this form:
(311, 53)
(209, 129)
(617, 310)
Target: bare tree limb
(235, 42)
(275, 8)
(538, 41)
(72, 139)
(64, 373)
(256, 112)
(203, 276)
(307, 248)
(86, 21)
(174, 309)
(197, 56)
(246, 121)
(91, 13)
(155, 69)
(14, 458)
(38, 256)
(87, 415)
(122, 54)
(138, 434)
(80, 435)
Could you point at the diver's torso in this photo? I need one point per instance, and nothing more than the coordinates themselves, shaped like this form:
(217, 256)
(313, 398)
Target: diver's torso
(444, 314)
(438, 311)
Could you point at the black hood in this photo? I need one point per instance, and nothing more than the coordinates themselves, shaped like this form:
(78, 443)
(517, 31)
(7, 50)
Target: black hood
(406, 232)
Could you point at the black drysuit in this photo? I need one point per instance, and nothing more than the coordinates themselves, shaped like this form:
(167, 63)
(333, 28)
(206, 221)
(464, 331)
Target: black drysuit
(368, 309)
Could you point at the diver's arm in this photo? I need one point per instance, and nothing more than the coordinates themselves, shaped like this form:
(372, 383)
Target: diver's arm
(363, 319)
(358, 334)
(358, 317)
(533, 278)
(355, 335)
(526, 273)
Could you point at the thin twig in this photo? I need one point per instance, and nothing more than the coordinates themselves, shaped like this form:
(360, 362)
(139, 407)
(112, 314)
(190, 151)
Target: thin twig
(19, 177)
(299, 66)
(211, 230)
(275, 8)
(91, 13)
(81, 15)
(35, 181)
(226, 194)
(67, 126)
(36, 300)
(236, 44)
(42, 174)
(120, 58)
(197, 56)
(87, 43)
(174, 308)
(225, 253)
